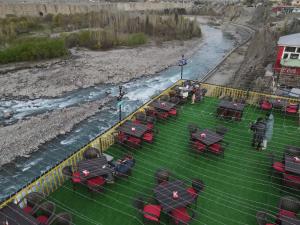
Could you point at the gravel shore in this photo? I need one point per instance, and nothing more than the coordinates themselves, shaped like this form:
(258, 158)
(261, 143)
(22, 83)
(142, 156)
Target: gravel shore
(87, 68)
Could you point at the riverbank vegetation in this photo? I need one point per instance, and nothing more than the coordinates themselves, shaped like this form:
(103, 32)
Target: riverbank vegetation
(35, 38)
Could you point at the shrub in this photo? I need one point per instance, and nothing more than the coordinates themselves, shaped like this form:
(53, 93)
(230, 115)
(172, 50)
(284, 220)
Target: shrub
(33, 49)
(136, 39)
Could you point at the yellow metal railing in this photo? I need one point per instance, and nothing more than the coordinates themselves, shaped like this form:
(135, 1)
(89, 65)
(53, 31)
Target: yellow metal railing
(53, 179)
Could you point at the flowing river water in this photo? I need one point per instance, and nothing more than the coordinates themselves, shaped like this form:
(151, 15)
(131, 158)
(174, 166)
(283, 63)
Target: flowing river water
(13, 176)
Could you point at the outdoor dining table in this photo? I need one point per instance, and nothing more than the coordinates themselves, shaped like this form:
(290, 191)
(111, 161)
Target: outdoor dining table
(285, 220)
(14, 215)
(164, 195)
(293, 150)
(231, 106)
(279, 103)
(291, 165)
(94, 167)
(132, 129)
(207, 137)
(163, 105)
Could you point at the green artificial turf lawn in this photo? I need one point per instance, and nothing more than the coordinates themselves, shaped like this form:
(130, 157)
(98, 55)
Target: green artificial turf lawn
(236, 187)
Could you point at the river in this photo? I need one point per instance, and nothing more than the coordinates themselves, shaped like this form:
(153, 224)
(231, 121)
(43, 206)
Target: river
(15, 175)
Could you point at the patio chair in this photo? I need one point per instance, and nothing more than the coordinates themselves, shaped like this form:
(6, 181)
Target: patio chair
(221, 130)
(192, 128)
(73, 176)
(277, 168)
(165, 98)
(45, 212)
(289, 203)
(150, 212)
(196, 189)
(265, 105)
(133, 142)
(31, 201)
(63, 218)
(198, 147)
(140, 116)
(91, 153)
(173, 112)
(217, 149)
(162, 175)
(148, 137)
(291, 180)
(263, 218)
(292, 109)
(96, 184)
(125, 169)
(175, 100)
(182, 216)
(162, 115)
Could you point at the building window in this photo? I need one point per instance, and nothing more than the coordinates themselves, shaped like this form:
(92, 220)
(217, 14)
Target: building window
(285, 56)
(298, 50)
(290, 49)
(294, 56)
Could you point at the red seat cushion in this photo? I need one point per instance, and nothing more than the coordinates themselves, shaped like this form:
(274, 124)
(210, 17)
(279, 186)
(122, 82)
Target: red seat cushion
(217, 148)
(278, 166)
(291, 110)
(148, 136)
(121, 137)
(154, 210)
(134, 140)
(266, 105)
(181, 215)
(96, 181)
(76, 177)
(173, 112)
(163, 115)
(199, 146)
(42, 219)
(27, 209)
(150, 126)
(295, 179)
(287, 213)
(192, 192)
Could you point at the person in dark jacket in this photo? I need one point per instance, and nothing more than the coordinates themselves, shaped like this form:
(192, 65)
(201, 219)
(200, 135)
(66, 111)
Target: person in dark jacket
(259, 129)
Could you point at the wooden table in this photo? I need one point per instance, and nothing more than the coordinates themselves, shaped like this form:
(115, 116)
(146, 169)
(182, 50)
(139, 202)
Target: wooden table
(291, 165)
(232, 107)
(164, 195)
(162, 105)
(139, 129)
(95, 167)
(210, 138)
(279, 103)
(16, 216)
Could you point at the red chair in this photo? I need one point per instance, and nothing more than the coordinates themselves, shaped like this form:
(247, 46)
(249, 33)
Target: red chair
(121, 138)
(198, 147)
(292, 109)
(266, 105)
(45, 212)
(133, 142)
(181, 216)
(216, 149)
(276, 167)
(173, 112)
(162, 115)
(196, 189)
(148, 137)
(151, 212)
(291, 180)
(31, 201)
(96, 183)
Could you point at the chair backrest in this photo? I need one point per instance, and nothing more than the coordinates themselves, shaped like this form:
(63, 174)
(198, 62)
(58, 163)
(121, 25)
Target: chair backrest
(165, 98)
(63, 218)
(46, 208)
(33, 199)
(271, 158)
(138, 203)
(289, 203)
(67, 171)
(91, 153)
(261, 218)
(140, 116)
(198, 185)
(221, 130)
(192, 128)
(162, 175)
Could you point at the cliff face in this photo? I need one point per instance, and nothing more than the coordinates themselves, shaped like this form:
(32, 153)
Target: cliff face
(40, 9)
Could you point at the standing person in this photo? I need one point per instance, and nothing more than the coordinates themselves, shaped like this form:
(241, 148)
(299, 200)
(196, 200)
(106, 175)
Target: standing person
(259, 129)
(269, 129)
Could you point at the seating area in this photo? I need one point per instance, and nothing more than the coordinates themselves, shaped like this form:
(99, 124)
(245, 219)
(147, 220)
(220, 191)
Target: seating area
(190, 168)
